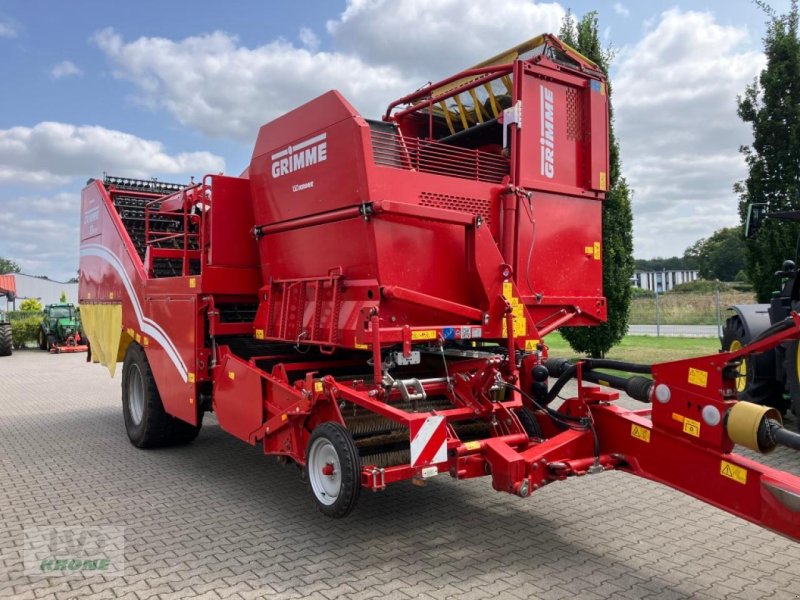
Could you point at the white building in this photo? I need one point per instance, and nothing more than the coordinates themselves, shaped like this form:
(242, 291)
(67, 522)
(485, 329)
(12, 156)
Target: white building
(663, 281)
(45, 291)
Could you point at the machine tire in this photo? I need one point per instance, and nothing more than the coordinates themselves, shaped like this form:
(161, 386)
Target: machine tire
(759, 384)
(529, 423)
(42, 339)
(331, 444)
(146, 422)
(6, 346)
(793, 377)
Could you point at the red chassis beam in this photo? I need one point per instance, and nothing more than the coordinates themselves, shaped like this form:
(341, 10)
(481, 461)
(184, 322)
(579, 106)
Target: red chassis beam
(683, 441)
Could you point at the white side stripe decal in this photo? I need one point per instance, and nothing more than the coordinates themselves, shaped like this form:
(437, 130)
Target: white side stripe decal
(148, 326)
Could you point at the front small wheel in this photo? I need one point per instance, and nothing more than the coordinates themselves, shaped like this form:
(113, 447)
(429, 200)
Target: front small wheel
(333, 469)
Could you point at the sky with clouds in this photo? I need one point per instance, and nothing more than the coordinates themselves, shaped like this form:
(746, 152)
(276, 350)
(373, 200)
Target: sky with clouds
(179, 89)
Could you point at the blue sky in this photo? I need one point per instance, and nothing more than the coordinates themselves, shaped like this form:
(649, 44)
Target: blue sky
(174, 89)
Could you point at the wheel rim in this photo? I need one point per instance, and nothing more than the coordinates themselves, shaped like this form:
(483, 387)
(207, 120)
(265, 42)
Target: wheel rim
(324, 471)
(135, 394)
(741, 379)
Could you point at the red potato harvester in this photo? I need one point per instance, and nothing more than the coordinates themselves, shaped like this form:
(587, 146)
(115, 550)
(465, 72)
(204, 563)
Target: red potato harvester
(370, 299)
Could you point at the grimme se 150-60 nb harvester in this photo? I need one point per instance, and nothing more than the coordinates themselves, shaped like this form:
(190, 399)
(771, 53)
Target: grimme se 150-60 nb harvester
(369, 300)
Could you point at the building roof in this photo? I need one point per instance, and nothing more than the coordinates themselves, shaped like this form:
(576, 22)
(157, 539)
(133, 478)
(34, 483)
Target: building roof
(8, 284)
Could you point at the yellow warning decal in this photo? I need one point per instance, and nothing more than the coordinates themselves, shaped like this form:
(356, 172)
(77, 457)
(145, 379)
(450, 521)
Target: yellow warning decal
(520, 323)
(284, 417)
(427, 334)
(190, 377)
(508, 290)
(362, 346)
(145, 341)
(731, 471)
(259, 334)
(318, 387)
(698, 377)
(597, 255)
(192, 282)
(603, 180)
(691, 427)
(588, 251)
(138, 338)
(530, 345)
(640, 433)
(472, 445)
(231, 375)
(677, 417)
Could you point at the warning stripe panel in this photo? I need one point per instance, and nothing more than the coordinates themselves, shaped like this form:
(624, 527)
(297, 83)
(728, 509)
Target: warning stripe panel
(428, 441)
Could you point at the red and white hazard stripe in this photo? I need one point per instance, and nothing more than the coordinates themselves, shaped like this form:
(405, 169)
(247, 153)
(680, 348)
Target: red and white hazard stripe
(428, 441)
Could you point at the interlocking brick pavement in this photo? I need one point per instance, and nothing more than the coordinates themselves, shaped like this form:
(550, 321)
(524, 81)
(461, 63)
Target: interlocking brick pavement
(218, 519)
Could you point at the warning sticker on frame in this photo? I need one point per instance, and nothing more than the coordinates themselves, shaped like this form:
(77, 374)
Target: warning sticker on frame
(640, 433)
(731, 471)
(698, 377)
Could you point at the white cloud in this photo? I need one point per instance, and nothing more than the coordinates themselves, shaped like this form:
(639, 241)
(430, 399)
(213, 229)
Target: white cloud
(221, 88)
(8, 29)
(308, 38)
(675, 100)
(435, 39)
(65, 68)
(214, 84)
(52, 153)
(621, 9)
(41, 233)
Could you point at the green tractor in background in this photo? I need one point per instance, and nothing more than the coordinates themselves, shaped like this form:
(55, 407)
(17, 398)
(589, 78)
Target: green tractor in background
(771, 378)
(5, 335)
(60, 330)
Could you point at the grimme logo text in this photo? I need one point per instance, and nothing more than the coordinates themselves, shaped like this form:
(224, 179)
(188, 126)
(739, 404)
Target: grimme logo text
(299, 156)
(547, 141)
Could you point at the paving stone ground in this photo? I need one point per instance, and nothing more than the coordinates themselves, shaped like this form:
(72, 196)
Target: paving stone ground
(218, 519)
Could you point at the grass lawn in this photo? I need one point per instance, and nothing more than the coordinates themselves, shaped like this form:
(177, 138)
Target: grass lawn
(642, 348)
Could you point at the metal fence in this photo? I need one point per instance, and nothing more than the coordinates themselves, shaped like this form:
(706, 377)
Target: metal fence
(682, 314)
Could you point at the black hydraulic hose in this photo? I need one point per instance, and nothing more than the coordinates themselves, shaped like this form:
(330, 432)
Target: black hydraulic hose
(619, 365)
(565, 370)
(637, 387)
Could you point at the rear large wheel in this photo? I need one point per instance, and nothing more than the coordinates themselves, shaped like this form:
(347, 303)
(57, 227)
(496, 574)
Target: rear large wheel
(5, 339)
(146, 422)
(757, 381)
(333, 469)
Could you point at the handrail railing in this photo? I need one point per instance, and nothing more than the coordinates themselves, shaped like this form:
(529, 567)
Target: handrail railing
(191, 205)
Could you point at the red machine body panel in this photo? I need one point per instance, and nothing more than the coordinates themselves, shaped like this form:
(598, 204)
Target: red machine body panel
(397, 278)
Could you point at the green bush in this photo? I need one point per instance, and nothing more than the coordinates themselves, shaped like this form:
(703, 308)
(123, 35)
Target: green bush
(18, 315)
(31, 305)
(24, 331)
(637, 292)
(700, 286)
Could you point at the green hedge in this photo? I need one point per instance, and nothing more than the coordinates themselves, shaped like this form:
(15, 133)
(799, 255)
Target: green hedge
(25, 330)
(21, 315)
